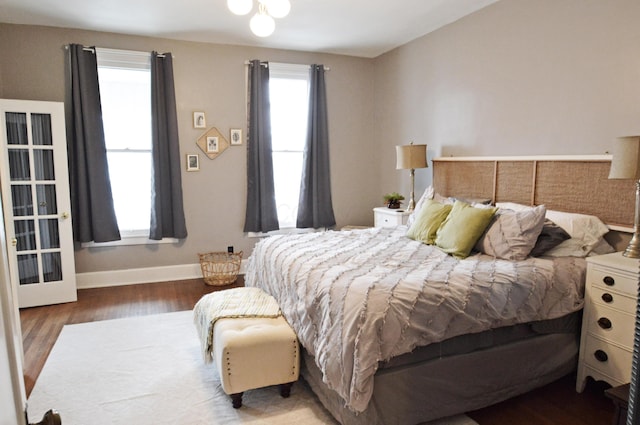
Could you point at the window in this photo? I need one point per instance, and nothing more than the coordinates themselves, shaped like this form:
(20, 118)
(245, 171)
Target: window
(288, 91)
(125, 96)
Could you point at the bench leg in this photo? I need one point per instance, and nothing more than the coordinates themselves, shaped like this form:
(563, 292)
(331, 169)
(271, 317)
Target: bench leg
(236, 400)
(285, 389)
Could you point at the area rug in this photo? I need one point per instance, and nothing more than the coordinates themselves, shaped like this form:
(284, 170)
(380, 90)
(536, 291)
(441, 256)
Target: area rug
(149, 370)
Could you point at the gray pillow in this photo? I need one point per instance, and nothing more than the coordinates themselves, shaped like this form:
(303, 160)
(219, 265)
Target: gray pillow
(551, 236)
(513, 234)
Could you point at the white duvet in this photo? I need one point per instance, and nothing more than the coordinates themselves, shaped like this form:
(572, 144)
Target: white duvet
(358, 297)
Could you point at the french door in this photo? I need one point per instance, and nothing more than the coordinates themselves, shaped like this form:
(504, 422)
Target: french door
(35, 192)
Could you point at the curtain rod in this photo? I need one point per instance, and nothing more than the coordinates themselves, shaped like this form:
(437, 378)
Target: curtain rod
(93, 50)
(247, 62)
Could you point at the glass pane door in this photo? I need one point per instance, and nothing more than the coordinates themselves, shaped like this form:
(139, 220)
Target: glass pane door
(34, 149)
(36, 229)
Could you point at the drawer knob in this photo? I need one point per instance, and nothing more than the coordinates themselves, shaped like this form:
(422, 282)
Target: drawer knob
(601, 356)
(604, 323)
(606, 297)
(609, 281)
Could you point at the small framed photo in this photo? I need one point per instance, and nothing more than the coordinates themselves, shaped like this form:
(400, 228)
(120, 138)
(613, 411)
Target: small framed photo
(199, 121)
(212, 144)
(193, 162)
(235, 136)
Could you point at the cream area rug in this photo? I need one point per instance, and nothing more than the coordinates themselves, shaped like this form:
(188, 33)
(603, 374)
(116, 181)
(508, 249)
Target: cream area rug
(149, 370)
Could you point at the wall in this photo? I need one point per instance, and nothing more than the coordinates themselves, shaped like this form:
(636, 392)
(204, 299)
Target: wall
(520, 77)
(209, 78)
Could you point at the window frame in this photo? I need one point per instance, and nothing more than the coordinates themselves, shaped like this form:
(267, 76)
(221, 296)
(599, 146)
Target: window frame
(132, 60)
(278, 70)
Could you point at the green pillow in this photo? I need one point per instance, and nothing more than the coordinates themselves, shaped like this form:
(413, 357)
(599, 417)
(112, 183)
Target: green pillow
(462, 228)
(428, 221)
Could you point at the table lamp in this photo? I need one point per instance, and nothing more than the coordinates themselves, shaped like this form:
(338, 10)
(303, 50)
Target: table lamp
(410, 157)
(625, 164)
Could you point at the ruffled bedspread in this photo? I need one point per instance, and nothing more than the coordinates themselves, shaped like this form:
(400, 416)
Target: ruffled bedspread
(355, 298)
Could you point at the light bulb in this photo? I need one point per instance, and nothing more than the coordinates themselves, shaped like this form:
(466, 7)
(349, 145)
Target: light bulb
(277, 8)
(240, 7)
(262, 24)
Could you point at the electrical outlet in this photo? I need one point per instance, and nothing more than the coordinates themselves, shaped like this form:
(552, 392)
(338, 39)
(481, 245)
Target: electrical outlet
(230, 249)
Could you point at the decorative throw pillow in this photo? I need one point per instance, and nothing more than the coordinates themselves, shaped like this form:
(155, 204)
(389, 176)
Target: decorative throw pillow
(512, 234)
(551, 236)
(462, 228)
(428, 221)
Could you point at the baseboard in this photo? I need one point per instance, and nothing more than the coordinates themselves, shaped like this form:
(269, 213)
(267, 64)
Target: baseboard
(142, 275)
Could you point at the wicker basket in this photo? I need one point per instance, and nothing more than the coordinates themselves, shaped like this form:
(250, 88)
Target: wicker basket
(220, 268)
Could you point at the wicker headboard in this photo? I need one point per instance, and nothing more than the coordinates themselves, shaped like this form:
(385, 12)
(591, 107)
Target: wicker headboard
(577, 184)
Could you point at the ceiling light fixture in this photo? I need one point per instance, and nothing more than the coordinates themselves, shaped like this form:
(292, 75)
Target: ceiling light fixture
(262, 23)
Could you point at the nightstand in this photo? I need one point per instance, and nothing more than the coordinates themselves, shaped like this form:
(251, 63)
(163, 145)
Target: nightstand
(388, 217)
(606, 344)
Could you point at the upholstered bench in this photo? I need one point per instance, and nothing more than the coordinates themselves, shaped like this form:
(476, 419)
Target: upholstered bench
(251, 344)
(253, 353)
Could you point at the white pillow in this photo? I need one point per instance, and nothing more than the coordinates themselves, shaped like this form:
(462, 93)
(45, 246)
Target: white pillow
(513, 206)
(586, 233)
(428, 194)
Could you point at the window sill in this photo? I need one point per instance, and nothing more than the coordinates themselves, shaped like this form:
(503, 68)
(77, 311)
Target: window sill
(286, 231)
(131, 240)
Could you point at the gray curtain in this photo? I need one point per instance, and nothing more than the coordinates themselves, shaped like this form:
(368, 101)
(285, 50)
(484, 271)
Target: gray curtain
(94, 217)
(315, 209)
(261, 214)
(167, 212)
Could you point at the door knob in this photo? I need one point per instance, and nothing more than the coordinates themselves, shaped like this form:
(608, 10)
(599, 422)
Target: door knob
(65, 215)
(14, 242)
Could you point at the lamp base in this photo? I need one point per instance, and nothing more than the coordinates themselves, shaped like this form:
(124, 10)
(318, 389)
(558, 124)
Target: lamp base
(412, 203)
(633, 249)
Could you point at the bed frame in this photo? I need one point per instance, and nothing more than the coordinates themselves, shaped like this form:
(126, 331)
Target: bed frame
(577, 184)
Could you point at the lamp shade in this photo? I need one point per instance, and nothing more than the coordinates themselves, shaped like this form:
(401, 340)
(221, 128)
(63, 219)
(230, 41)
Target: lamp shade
(240, 7)
(262, 24)
(626, 158)
(411, 156)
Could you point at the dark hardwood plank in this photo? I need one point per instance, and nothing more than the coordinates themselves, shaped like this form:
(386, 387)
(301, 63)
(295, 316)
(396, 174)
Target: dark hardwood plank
(555, 404)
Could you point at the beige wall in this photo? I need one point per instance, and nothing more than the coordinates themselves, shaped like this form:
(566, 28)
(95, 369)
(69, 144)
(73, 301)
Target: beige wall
(520, 77)
(209, 78)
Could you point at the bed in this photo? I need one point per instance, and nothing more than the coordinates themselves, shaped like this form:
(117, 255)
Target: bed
(398, 331)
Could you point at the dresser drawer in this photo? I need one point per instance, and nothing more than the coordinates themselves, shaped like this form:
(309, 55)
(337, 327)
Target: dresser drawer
(386, 221)
(386, 217)
(612, 299)
(604, 278)
(614, 362)
(612, 325)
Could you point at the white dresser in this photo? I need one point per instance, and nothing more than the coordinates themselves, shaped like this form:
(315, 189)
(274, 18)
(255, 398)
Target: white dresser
(388, 217)
(606, 345)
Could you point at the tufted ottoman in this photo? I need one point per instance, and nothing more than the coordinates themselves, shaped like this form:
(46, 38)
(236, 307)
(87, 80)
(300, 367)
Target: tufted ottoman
(251, 344)
(255, 352)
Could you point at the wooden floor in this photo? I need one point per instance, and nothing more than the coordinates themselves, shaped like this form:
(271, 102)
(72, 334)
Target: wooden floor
(555, 404)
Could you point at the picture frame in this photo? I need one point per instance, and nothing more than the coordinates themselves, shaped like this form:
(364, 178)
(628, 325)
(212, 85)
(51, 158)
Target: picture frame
(193, 162)
(235, 136)
(199, 120)
(212, 144)
(208, 145)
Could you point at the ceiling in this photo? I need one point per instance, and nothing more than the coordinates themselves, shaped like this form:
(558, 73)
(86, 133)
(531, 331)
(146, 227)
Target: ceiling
(365, 28)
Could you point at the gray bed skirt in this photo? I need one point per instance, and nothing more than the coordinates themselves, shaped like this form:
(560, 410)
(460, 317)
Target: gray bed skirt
(420, 392)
